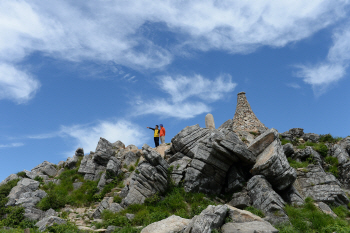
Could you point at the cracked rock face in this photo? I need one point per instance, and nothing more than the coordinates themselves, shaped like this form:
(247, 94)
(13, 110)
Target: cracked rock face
(273, 164)
(209, 219)
(213, 157)
(23, 186)
(341, 154)
(150, 178)
(314, 182)
(265, 198)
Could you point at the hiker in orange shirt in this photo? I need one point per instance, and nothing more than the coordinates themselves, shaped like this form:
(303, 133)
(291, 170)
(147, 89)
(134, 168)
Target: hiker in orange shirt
(162, 134)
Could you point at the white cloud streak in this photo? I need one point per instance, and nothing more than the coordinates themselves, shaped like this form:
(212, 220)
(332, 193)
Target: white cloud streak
(87, 136)
(16, 144)
(17, 85)
(113, 31)
(320, 76)
(183, 88)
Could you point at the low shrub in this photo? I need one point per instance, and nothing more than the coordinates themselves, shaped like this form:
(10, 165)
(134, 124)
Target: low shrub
(329, 138)
(295, 164)
(64, 228)
(309, 219)
(321, 148)
(22, 174)
(285, 141)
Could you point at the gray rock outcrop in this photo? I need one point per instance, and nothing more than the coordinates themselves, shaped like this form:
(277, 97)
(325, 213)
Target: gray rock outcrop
(266, 199)
(171, 224)
(240, 200)
(130, 158)
(273, 164)
(249, 227)
(23, 186)
(209, 219)
(106, 204)
(9, 178)
(150, 178)
(113, 167)
(345, 144)
(179, 169)
(104, 152)
(288, 149)
(307, 153)
(341, 154)
(311, 137)
(314, 182)
(48, 222)
(45, 168)
(79, 152)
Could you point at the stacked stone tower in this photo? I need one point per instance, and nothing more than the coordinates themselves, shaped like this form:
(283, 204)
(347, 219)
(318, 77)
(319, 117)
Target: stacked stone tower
(244, 118)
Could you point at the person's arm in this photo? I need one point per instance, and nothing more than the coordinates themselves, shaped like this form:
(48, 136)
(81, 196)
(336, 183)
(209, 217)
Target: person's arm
(151, 128)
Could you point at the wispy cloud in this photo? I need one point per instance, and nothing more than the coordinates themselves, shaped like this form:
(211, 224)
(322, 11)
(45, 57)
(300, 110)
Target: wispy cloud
(333, 68)
(75, 30)
(16, 85)
(294, 85)
(17, 144)
(189, 96)
(87, 135)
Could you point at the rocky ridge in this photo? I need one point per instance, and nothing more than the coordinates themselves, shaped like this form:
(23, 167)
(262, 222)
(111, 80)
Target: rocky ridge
(258, 173)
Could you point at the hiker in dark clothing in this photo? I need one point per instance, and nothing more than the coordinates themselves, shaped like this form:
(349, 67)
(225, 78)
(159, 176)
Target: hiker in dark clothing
(156, 135)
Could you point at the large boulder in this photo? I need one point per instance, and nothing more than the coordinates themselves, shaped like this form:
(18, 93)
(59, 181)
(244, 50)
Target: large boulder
(213, 157)
(45, 168)
(273, 164)
(72, 162)
(104, 152)
(312, 137)
(106, 204)
(171, 224)
(266, 199)
(209, 219)
(48, 222)
(179, 169)
(288, 149)
(23, 186)
(113, 167)
(118, 145)
(264, 140)
(341, 154)
(9, 178)
(33, 214)
(240, 200)
(30, 199)
(130, 158)
(345, 144)
(149, 178)
(186, 140)
(321, 186)
(244, 221)
(90, 169)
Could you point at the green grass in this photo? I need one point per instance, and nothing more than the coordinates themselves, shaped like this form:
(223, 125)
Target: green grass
(329, 138)
(321, 148)
(295, 164)
(22, 174)
(285, 141)
(63, 193)
(333, 161)
(309, 219)
(255, 211)
(176, 201)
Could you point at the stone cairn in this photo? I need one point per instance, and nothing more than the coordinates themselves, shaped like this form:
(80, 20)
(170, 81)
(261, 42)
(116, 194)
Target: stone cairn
(209, 121)
(244, 118)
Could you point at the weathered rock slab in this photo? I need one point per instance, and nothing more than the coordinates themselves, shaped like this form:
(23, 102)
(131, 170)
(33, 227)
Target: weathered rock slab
(48, 222)
(171, 224)
(248, 227)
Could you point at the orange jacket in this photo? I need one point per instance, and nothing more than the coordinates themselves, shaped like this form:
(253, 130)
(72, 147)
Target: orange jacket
(162, 132)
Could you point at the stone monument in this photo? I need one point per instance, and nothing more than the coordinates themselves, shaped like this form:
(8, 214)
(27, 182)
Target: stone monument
(244, 118)
(209, 121)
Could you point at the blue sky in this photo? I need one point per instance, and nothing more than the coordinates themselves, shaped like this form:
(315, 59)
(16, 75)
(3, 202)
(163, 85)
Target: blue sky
(74, 71)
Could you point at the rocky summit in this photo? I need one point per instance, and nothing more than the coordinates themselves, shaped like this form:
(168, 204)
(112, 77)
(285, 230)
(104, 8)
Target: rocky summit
(240, 177)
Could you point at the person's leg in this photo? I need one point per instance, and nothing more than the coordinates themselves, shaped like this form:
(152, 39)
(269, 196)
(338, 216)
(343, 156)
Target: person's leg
(162, 139)
(156, 141)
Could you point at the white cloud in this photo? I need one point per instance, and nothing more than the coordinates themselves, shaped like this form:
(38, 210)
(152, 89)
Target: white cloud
(16, 144)
(294, 85)
(333, 68)
(113, 31)
(16, 85)
(87, 136)
(183, 91)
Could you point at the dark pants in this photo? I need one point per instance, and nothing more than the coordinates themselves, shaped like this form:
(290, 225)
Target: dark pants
(156, 141)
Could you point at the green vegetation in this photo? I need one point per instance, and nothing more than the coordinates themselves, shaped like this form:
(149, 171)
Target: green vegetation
(321, 148)
(333, 168)
(155, 208)
(131, 168)
(64, 228)
(63, 193)
(254, 133)
(22, 174)
(39, 179)
(295, 164)
(309, 219)
(329, 138)
(255, 211)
